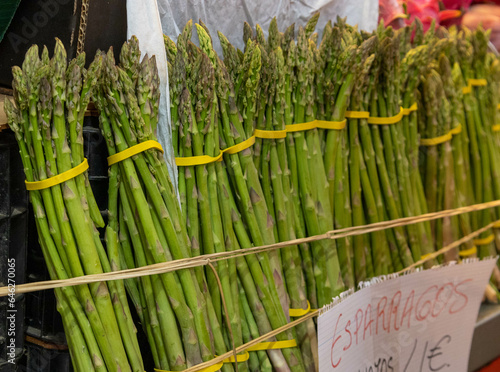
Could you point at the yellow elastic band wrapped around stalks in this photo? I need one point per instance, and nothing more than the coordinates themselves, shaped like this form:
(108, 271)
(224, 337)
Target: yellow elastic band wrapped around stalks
(409, 110)
(468, 252)
(495, 128)
(273, 345)
(296, 313)
(425, 256)
(386, 120)
(269, 134)
(205, 159)
(320, 124)
(212, 368)
(60, 178)
(259, 133)
(245, 356)
(134, 150)
(473, 83)
(484, 241)
(240, 146)
(441, 139)
(357, 114)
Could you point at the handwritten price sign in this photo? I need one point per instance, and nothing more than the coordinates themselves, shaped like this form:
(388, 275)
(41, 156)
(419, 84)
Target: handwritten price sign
(421, 322)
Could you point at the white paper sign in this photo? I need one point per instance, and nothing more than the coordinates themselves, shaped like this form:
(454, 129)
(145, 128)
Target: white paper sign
(420, 322)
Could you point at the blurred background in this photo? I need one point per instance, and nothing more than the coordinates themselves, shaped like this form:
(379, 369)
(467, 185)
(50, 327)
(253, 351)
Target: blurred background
(469, 13)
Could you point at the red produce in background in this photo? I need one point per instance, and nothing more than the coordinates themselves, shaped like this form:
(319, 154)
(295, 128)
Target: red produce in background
(425, 10)
(391, 11)
(444, 13)
(457, 4)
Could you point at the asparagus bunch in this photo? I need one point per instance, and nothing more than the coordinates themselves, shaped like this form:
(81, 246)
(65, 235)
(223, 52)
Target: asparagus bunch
(51, 97)
(375, 258)
(462, 186)
(179, 317)
(257, 278)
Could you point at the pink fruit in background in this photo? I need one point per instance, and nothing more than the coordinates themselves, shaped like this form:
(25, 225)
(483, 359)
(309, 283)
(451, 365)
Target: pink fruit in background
(391, 12)
(457, 4)
(425, 10)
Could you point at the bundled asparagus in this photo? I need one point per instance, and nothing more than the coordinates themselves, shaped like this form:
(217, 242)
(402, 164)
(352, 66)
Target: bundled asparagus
(51, 98)
(472, 46)
(253, 274)
(365, 191)
(179, 317)
(291, 184)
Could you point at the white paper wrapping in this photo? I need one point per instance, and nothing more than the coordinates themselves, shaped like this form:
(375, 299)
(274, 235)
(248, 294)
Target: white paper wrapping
(143, 21)
(148, 19)
(228, 16)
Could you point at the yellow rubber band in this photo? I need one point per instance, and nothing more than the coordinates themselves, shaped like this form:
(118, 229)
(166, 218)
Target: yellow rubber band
(484, 241)
(244, 357)
(474, 83)
(197, 160)
(240, 146)
(259, 133)
(409, 110)
(273, 345)
(60, 178)
(468, 252)
(441, 139)
(386, 120)
(299, 312)
(478, 82)
(498, 106)
(456, 130)
(325, 124)
(239, 358)
(495, 128)
(357, 114)
(213, 368)
(496, 224)
(436, 140)
(425, 256)
(322, 124)
(134, 150)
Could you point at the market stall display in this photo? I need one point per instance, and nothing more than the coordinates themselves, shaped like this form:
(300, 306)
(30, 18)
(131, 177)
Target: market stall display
(294, 136)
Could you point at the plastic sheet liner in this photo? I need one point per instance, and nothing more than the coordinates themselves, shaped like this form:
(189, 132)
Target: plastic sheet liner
(143, 21)
(228, 16)
(147, 19)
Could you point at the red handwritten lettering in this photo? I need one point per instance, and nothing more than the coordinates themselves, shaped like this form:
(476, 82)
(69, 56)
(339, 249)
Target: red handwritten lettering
(408, 308)
(394, 307)
(335, 340)
(440, 299)
(368, 314)
(347, 326)
(463, 296)
(426, 306)
(359, 323)
(381, 313)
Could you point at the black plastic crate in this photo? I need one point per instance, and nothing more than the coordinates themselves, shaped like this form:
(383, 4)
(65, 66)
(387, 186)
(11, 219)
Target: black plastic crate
(45, 357)
(96, 152)
(42, 319)
(40, 22)
(13, 242)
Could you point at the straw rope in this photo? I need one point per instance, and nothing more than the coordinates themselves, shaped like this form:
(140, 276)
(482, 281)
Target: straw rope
(315, 313)
(186, 263)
